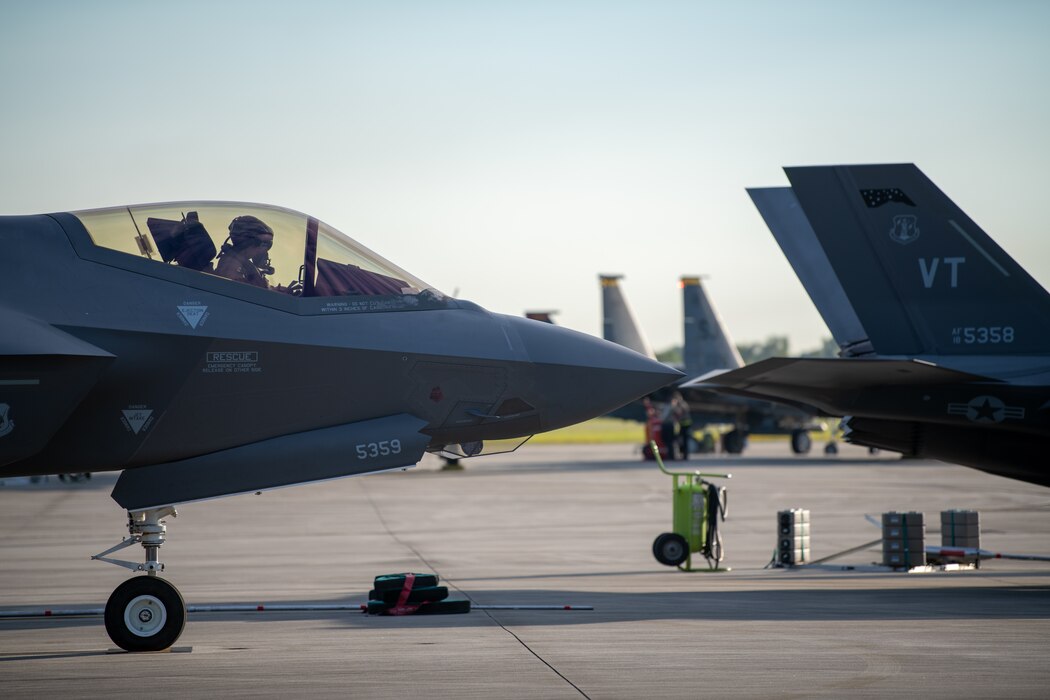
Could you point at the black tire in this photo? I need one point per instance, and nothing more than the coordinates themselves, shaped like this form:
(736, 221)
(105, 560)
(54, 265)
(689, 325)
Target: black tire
(734, 442)
(801, 442)
(670, 549)
(831, 449)
(145, 613)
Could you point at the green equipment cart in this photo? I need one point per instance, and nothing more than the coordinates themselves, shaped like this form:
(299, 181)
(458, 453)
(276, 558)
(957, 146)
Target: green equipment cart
(698, 507)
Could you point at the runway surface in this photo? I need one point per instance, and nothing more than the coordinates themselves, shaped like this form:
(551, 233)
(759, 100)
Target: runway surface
(546, 525)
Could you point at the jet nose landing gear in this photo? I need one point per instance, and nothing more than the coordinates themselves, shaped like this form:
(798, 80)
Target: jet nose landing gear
(145, 613)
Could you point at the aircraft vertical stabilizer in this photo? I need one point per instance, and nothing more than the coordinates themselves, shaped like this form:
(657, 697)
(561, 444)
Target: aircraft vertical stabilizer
(618, 322)
(921, 276)
(958, 360)
(784, 216)
(707, 344)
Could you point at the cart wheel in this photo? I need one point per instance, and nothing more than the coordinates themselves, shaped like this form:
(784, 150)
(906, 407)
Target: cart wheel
(670, 549)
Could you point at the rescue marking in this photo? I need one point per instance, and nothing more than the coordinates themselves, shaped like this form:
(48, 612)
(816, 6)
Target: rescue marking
(232, 362)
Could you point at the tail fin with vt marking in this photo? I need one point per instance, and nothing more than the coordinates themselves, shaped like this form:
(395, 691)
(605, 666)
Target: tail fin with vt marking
(921, 276)
(707, 344)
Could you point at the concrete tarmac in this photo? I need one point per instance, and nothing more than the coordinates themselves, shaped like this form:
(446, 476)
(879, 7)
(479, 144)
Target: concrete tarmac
(546, 525)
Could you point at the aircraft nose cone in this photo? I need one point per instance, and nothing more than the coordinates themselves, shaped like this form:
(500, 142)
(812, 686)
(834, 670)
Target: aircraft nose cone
(577, 377)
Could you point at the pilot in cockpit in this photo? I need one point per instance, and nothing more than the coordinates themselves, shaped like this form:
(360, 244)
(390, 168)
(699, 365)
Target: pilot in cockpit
(245, 255)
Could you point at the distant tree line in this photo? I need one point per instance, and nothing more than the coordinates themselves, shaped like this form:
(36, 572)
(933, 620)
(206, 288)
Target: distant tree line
(773, 346)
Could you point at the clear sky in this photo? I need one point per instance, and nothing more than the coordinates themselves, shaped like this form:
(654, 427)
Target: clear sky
(514, 150)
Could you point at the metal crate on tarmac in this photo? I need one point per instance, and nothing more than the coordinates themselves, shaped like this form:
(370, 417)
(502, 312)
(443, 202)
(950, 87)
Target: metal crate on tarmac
(961, 528)
(903, 540)
(793, 546)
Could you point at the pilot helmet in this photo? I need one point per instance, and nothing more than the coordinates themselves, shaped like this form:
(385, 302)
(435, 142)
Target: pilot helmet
(249, 229)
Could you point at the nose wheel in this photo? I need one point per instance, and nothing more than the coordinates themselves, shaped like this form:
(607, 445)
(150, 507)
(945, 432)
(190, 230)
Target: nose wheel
(145, 613)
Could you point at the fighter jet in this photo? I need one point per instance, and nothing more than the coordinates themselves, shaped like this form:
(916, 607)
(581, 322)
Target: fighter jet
(619, 324)
(214, 348)
(706, 343)
(707, 347)
(945, 351)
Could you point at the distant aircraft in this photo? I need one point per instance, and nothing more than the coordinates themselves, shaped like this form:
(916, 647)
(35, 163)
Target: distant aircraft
(135, 339)
(707, 347)
(618, 322)
(945, 339)
(544, 316)
(706, 342)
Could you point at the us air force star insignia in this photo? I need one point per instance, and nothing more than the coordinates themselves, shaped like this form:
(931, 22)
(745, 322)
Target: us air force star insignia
(986, 409)
(6, 424)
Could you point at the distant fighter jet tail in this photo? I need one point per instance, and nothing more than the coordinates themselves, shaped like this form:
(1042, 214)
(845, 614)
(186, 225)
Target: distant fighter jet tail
(618, 321)
(897, 268)
(707, 344)
(543, 316)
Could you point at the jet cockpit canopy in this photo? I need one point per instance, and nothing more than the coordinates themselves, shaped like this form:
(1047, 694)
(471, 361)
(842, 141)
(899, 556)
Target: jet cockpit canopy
(269, 247)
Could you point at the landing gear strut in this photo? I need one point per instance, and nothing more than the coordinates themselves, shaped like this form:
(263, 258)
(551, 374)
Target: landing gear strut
(145, 613)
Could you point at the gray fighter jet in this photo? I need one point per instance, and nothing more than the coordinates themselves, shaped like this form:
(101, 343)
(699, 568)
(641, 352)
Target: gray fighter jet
(945, 347)
(138, 339)
(707, 347)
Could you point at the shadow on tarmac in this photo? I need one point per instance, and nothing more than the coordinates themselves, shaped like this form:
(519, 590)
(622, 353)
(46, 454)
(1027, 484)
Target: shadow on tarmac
(816, 604)
(704, 464)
